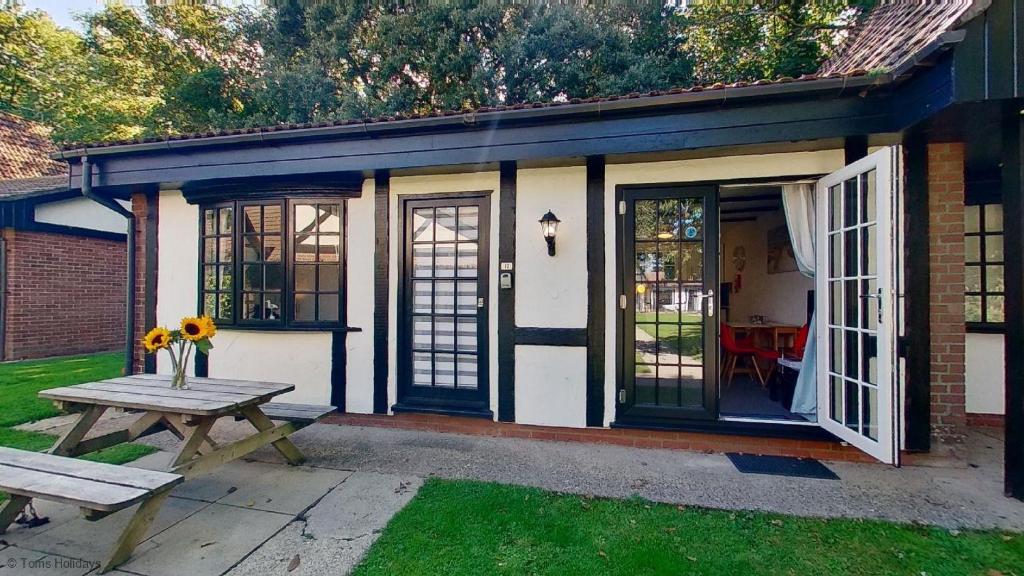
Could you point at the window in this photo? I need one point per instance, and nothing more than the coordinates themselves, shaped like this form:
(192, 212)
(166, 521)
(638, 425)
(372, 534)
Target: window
(273, 263)
(983, 274)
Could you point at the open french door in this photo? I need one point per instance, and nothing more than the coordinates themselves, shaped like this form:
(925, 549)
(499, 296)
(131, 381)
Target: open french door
(857, 317)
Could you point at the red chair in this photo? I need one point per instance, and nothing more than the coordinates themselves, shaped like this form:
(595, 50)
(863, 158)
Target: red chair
(734, 352)
(799, 343)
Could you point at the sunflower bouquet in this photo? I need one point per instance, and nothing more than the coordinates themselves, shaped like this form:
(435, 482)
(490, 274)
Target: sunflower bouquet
(195, 334)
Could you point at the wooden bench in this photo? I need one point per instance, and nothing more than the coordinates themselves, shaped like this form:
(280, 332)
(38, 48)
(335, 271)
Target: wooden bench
(98, 489)
(300, 414)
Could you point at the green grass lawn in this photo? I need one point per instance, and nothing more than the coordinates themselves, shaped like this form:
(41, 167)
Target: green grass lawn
(480, 528)
(20, 383)
(685, 339)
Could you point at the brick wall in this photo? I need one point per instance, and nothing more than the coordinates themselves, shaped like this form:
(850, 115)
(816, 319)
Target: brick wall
(948, 329)
(65, 294)
(142, 205)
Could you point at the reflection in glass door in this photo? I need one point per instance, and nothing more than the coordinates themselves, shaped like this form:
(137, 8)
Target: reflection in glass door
(443, 340)
(669, 277)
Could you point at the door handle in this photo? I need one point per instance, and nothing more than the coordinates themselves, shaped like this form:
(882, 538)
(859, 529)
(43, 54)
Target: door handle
(709, 296)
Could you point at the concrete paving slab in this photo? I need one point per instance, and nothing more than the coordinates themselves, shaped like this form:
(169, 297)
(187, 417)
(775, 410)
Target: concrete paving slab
(59, 514)
(333, 536)
(277, 488)
(15, 561)
(207, 543)
(80, 538)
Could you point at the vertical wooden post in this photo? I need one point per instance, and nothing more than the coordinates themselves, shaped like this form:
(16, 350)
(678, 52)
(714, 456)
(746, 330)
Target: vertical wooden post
(381, 289)
(507, 296)
(1013, 226)
(916, 345)
(596, 291)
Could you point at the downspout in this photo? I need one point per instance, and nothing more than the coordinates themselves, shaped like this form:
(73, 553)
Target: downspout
(3, 295)
(129, 316)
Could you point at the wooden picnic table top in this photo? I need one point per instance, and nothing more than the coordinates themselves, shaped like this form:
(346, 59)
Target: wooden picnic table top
(152, 392)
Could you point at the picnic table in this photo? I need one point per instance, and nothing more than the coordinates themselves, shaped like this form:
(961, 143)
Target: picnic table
(188, 414)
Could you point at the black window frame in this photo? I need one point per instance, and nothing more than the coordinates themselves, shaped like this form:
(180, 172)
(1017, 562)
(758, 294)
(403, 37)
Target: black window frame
(285, 322)
(984, 232)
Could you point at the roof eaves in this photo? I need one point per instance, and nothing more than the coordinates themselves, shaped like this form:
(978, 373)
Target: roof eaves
(596, 106)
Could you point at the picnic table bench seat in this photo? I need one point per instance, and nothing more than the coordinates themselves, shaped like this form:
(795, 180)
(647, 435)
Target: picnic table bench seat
(92, 486)
(302, 414)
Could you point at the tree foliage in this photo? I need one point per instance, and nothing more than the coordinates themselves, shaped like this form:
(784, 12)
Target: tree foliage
(166, 69)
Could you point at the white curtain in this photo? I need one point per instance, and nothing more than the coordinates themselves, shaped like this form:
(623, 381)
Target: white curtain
(798, 201)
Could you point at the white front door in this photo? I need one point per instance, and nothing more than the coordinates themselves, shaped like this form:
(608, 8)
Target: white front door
(858, 399)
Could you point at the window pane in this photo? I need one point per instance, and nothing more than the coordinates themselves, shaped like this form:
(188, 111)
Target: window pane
(972, 307)
(444, 370)
(850, 202)
(210, 305)
(329, 216)
(329, 248)
(994, 278)
(646, 219)
(226, 276)
(272, 248)
(423, 225)
(994, 309)
(421, 297)
(304, 246)
(209, 250)
(210, 277)
(994, 218)
(972, 249)
(304, 307)
(252, 277)
(994, 247)
(421, 369)
(469, 224)
(251, 309)
(226, 221)
(867, 182)
(272, 219)
(225, 253)
(444, 333)
(445, 229)
(835, 207)
(224, 307)
(209, 222)
(272, 306)
(444, 260)
(467, 371)
(252, 249)
(328, 308)
(305, 219)
(329, 278)
(251, 221)
(972, 219)
(305, 278)
(444, 297)
(422, 261)
(668, 220)
(972, 278)
(692, 223)
(273, 277)
(467, 260)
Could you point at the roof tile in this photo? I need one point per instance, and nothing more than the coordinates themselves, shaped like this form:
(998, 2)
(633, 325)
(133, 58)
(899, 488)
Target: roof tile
(25, 149)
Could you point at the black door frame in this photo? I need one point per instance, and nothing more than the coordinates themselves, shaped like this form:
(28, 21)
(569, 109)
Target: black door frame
(441, 400)
(625, 412)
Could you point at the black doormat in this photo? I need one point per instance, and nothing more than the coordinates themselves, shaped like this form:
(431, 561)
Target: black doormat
(781, 466)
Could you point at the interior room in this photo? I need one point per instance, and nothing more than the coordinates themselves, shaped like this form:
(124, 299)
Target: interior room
(766, 305)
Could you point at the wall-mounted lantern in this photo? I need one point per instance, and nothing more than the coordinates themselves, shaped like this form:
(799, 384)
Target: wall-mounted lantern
(549, 227)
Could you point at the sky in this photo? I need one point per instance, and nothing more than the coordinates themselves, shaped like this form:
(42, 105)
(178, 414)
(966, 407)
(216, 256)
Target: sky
(61, 10)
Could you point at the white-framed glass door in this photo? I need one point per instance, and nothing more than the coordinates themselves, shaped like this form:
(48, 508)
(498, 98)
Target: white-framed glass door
(858, 400)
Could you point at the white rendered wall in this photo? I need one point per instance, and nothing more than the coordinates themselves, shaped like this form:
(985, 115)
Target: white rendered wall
(299, 358)
(551, 385)
(985, 376)
(551, 292)
(443, 184)
(83, 213)
(783, 296)
(697, 170)
(359, 345)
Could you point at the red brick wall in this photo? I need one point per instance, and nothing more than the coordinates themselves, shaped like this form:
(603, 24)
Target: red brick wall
(141, 205)
(65, 295)
(948, 330)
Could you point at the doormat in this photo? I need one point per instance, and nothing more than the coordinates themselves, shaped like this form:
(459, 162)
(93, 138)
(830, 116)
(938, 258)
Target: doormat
(781, 466)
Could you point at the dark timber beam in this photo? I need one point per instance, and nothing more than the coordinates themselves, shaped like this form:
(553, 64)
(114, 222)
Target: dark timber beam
(855, 148)
(1013, 225)
(507, 296)
(595, 290)
(916, 344)
(381, 290)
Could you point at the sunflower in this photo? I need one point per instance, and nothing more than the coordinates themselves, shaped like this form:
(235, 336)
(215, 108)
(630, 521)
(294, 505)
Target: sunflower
(194, 329)
(156, 339)
(211, 327)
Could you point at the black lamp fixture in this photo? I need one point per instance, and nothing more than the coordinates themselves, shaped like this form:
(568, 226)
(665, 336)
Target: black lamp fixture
(549, 227)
